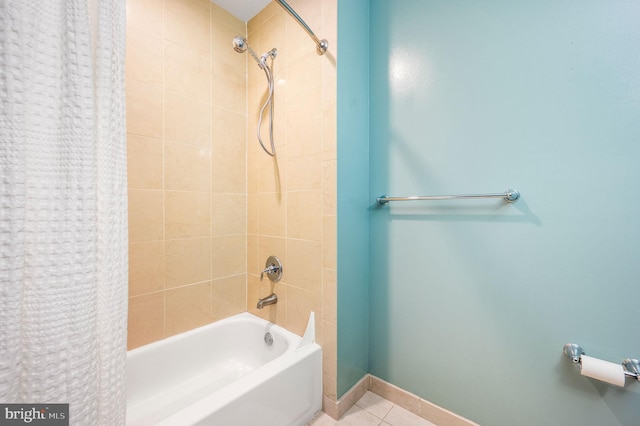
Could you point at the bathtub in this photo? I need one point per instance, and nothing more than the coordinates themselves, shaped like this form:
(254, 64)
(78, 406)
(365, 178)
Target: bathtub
(226, 374)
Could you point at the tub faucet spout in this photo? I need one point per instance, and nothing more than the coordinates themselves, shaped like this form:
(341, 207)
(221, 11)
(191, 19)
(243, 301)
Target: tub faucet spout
(271, 299)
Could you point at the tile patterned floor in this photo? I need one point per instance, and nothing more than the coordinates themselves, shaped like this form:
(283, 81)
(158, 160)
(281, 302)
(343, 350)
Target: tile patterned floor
(373, 410)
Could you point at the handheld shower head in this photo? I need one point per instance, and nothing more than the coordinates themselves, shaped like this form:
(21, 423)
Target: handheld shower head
(241, 45)
(272, 53)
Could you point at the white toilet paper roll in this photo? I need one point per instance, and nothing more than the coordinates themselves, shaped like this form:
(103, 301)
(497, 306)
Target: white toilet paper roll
(602, 370)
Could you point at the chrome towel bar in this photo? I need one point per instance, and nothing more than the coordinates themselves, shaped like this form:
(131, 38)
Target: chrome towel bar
(510, 196)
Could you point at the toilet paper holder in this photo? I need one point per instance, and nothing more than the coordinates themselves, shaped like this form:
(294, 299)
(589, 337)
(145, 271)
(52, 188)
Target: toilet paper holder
(630, 366)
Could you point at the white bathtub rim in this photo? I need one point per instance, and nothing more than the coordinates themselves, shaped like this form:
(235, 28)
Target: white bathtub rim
(192, 340)
(236, 318)
(200, 409)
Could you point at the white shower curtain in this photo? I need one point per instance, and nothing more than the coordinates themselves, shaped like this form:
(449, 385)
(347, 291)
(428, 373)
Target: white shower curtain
(63, 212)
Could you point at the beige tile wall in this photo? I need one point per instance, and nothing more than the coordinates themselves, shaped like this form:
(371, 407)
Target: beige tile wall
(186, 123)
(292, 198)
(207, 206)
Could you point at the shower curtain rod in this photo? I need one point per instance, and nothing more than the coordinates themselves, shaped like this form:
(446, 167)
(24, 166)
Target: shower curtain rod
(321, 45)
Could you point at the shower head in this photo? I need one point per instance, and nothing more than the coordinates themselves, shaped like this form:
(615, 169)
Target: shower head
(241, 45)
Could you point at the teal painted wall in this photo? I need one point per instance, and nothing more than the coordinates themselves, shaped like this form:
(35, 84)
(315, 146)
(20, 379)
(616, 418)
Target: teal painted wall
(472, 302)
(353, 188)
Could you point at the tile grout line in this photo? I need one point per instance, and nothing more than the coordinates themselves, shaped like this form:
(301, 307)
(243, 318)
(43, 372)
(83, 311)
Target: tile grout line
(373, 414)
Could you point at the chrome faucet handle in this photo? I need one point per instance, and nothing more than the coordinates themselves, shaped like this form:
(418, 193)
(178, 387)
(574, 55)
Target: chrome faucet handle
(273, 269)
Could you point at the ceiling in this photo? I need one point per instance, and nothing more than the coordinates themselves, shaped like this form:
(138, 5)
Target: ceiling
(242, 9)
